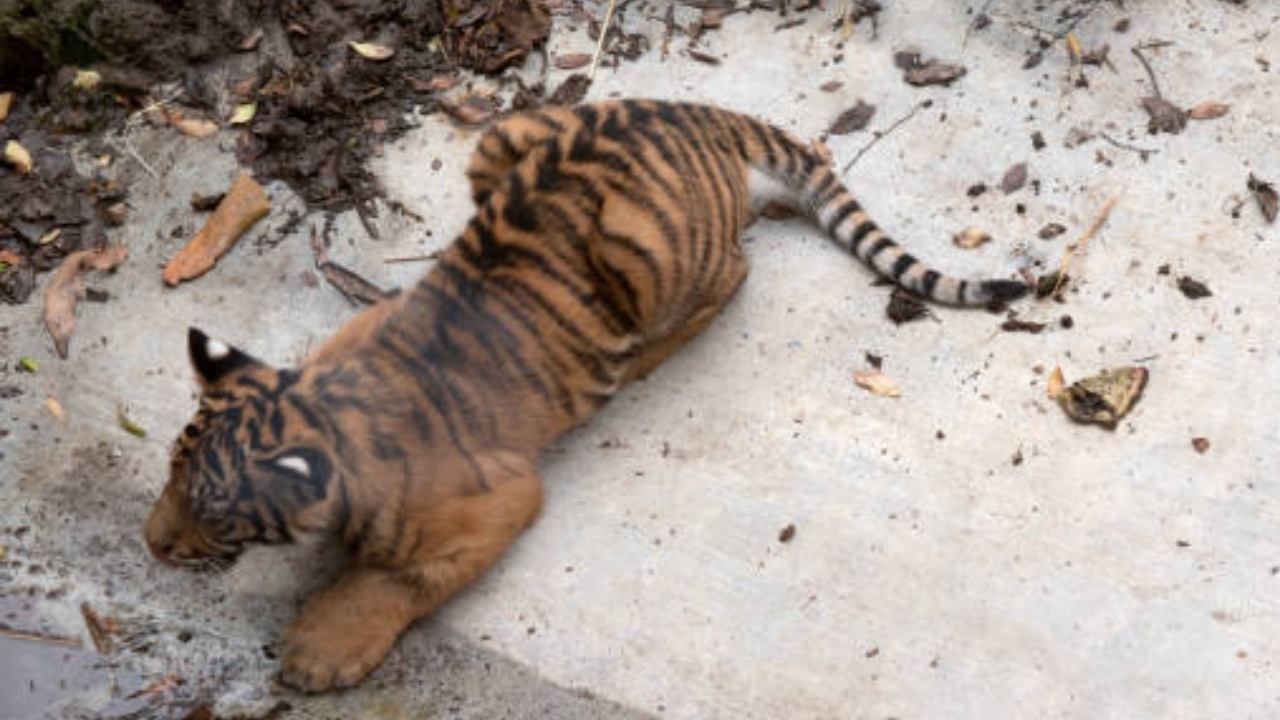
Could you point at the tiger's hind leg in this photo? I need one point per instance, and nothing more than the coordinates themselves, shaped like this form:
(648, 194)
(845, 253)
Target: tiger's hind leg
(344, 632)
(659, 349)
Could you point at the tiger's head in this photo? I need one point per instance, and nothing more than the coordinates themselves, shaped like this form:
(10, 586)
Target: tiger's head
(252, 466)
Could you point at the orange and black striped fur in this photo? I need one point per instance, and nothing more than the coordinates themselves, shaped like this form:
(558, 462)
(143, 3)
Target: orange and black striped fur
(605, 237)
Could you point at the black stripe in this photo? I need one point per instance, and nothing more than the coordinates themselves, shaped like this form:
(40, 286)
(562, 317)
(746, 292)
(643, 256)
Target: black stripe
(849, 207)
(901, 265)
(826, 184)
(881, 245)
(929, 282)
(861, 232)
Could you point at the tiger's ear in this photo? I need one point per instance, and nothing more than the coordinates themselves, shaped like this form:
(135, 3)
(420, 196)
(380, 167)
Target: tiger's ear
(213, 359)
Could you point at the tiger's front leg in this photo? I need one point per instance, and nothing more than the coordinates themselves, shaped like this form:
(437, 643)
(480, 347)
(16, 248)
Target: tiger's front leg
(345, 631)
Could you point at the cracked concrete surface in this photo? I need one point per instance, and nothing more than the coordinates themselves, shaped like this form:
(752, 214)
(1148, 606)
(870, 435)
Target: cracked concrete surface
(960, 552)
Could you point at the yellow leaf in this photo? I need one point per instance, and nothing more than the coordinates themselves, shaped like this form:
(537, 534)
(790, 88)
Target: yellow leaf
(970, 238)
(50, 236)
(128, 425)
(243, 113)
(372, 51)
(195, 127)
(1073, 46)
(6, 102)
(17, 156)
(86, 80)
(55, 407)
(876, 383)
(1056, 383)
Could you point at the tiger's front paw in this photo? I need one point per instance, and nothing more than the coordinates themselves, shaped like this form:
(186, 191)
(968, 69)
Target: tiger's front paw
(318, 658)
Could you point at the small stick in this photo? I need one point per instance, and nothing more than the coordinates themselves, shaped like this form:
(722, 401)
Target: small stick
(1079, 245)
(1137, 52)
(604, 33)
(1125, 146)
(880, 136)
(410, 258)
(35, 637)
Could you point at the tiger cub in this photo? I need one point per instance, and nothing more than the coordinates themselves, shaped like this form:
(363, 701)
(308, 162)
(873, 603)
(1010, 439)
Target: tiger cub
(605, 237)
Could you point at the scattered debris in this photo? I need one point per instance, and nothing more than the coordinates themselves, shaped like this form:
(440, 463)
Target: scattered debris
(66, 288)
(905, 306)
(1052, 285)
(1014, 179)
(1037, 141)
(1077, 247)
(1013, 324)
(206, 203)
(243, 113)
(1200, 444)
(1105, 398)
(571, 90)
(881, 135)
(572, 61)
(54, 406)
(1192, 288)
(1164, 116)
(6, 102)
(101, 630)
(853, 119)
(831, 86)
(787, 533)
(194, 127)
(1265, 193)
(876, 383)
(40, 638)
(245, 204)
(705, 58)
(976, 190)
(28, 365)
(372, 51)
(970, 238)
(473, 110)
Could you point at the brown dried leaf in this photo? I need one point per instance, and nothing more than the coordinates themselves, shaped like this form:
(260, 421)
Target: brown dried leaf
(1056, 383)
(251, 42)
(195, 127)
(1104, 398)
(66, 288)
(1014, 179)
(855, 118)
(877, 383)
(970, 238)
(1200, 444)
(904, 307)
(473, 110)
(1265, 193)
(831, 86)
(572, 61)
(934, 72)
(571, 91)
(1209, 110)
(1192, 288)
(245, 204)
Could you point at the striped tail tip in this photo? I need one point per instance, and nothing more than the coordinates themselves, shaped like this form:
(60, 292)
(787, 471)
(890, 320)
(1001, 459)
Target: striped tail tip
(999, 292)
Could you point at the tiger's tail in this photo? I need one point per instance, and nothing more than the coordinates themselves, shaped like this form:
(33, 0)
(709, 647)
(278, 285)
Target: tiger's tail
(776, 153)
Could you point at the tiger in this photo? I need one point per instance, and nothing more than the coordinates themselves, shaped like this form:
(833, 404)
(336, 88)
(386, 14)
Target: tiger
(605, 236)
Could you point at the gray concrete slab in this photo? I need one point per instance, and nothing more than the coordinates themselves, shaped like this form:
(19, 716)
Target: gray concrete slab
(962, 551)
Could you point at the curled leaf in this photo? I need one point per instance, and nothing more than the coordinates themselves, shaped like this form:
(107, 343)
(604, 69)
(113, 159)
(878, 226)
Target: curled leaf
(17, 156)
(244, 204)
(128, 425)
(86, 80)
(65, 290)
(372, 51)
(876, 383)
(243, 113)
(1209, 110)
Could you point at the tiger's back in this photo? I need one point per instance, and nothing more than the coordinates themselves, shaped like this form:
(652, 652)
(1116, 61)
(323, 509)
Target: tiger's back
(605, 237)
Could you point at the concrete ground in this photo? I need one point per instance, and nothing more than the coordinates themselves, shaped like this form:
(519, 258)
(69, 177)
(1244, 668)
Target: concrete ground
(963, 551)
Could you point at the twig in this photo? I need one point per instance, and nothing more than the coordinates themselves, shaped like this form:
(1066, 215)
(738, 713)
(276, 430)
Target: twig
(410, 258)
(604, 34)
(1137, 52)
(1125, 146)
(1079, 245)
(880, 135)
(36, 637)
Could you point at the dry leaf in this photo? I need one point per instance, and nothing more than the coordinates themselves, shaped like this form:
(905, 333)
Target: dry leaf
(1265, 193)
(86, 80)
(372, 51)
(50, 236)
(195, 127)
(1200, 444)
(905, 306)
(244, 204)
(572, 61)
(473, 110)
(17, 156)
(66, 288)
(1105, 398)
(970, 238)
(1209, 110)
(128, 425)
(243, 113)
(55, 407)
(855, 118)
(876, 383)
(6, 102)
(1056, 383)
(1073, 47)
(934, 72)
(1164, 116)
